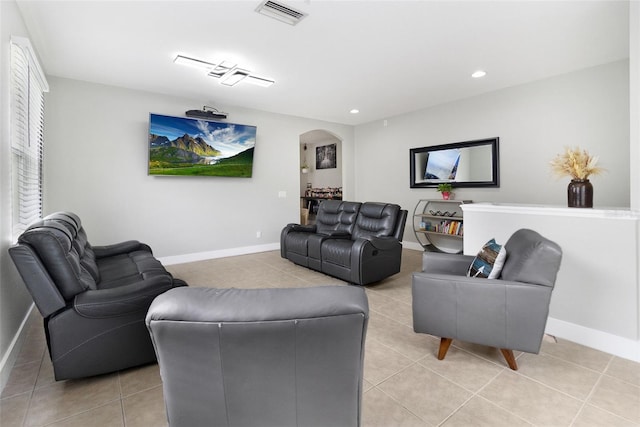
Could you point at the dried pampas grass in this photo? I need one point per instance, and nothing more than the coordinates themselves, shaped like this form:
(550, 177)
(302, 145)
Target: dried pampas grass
(576, 163)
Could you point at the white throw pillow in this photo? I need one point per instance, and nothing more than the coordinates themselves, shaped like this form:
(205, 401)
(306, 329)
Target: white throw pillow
(489, 261)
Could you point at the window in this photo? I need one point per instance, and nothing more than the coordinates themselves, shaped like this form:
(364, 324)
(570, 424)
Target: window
(27, 87)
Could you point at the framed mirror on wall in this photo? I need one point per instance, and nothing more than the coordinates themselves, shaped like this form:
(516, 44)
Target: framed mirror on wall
(461, 164)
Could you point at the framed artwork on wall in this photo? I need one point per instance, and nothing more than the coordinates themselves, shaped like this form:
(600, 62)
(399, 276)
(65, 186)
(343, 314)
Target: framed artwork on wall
(326, 157)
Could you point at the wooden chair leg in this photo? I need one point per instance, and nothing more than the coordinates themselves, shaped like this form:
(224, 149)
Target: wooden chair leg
(445, 343)
(510, 358)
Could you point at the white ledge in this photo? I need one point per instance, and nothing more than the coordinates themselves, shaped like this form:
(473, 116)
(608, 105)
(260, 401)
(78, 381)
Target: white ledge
(524, 209)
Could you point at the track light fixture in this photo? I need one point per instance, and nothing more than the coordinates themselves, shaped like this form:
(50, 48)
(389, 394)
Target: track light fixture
(228, 72)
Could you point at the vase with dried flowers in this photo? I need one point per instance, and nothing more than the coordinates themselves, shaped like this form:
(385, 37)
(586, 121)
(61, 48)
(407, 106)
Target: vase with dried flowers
(579, 165)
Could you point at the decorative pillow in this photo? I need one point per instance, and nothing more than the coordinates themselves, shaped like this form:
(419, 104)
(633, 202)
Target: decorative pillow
(489, 261)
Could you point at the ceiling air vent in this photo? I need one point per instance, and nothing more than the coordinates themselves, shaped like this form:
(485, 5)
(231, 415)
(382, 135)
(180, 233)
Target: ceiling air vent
(280, 12)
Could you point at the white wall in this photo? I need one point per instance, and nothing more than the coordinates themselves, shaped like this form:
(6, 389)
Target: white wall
(14, 298)
(96, 165)
(634, 82)
(588, 108)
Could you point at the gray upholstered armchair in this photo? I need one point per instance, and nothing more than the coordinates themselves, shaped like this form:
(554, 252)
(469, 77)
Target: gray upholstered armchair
(261, 357)
(509, 313)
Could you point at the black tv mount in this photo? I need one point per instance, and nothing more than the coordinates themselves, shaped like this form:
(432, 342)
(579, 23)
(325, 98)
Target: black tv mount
(207, 113)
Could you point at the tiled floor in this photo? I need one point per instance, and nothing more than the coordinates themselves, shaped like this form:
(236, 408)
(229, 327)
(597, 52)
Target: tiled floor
(405, 385)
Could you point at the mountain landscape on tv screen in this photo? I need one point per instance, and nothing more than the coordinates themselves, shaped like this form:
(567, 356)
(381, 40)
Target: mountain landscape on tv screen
(182, 146)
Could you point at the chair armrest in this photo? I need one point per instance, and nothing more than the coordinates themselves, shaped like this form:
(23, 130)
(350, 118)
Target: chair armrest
(383, 243)
(122, 300)
(302, 228)
(442, 263)
(336, 234)
(119, 248)
(494, 312)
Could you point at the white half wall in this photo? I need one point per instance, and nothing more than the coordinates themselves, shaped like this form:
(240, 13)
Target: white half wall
(595, 299)
(96, 165)
(535, 121)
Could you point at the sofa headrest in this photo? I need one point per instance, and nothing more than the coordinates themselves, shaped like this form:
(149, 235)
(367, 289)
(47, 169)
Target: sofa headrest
(376, 219)
(531, 258)
(68, 219)
(53, 242)
(336, 215)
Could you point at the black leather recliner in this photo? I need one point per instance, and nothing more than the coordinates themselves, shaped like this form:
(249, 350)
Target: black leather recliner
(356, 242)
(93, 299)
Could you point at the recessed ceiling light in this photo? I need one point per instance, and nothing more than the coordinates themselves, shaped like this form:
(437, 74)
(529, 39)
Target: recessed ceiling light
(478, 74)
(354, 111)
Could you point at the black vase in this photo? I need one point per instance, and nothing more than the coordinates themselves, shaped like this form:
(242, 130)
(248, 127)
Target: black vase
(580, 194)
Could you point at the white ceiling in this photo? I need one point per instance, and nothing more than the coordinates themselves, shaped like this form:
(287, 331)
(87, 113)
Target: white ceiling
(382, 57)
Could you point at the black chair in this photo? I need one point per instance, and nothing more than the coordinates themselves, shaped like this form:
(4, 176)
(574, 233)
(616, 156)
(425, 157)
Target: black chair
(356, 242)
(93, 298)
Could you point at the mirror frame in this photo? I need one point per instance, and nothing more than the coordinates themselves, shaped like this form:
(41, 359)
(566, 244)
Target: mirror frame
(495, 161)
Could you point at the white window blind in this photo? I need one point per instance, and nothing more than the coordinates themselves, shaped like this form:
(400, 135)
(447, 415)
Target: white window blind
(28, 86)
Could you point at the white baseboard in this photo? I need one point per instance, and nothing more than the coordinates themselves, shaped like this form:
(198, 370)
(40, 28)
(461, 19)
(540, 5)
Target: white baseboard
(603, 341)
(222, 253)
(10, 356)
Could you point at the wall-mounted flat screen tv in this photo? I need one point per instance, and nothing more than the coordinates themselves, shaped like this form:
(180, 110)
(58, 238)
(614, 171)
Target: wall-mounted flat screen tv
(196, 147)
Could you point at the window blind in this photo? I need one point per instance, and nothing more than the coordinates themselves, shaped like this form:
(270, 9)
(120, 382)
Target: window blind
(28, 86)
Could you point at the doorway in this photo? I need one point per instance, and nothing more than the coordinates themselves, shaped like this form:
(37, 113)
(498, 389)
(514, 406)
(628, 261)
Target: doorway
(320, 171)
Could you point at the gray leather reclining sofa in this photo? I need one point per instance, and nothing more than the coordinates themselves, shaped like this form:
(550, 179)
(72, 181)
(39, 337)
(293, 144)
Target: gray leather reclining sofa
(93, 299)
(261, 357)
(356, 242)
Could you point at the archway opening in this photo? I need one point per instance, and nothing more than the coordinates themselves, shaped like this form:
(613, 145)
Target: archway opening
(320, 171)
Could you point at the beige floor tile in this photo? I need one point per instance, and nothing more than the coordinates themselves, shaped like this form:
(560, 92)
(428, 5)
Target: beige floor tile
(377, 300)
(463, 368)
(479, 412)
(22, 379)
(46, 375)
(394, 287)
(382, 362)
(618, 397)
(558, 374)
(576, 353)
(135, 380)
(530, 400)
(13, 410)
(109, 415)
(380, 410)
(397, 310)
(32, 349)
(400, 337)
(145, 409)
(425, 393)
(590, 416)
(625, 370)
(66, 398)
(484, 352)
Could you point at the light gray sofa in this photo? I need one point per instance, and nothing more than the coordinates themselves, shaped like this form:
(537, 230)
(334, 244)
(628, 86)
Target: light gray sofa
(509, 313)
(261, 357)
